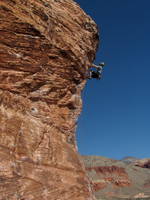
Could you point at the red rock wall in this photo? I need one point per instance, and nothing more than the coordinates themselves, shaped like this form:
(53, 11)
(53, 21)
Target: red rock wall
(46, 47)
(117, 176)
(118, 179)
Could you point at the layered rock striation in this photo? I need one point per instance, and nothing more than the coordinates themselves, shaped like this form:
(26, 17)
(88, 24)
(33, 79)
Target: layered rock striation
(119, 179)
(46, 48)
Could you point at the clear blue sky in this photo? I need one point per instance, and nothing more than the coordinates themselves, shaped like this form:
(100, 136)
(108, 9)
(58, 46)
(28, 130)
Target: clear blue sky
(115, 121)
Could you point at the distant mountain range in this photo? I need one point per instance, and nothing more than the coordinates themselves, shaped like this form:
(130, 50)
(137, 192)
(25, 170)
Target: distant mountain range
(127, 179)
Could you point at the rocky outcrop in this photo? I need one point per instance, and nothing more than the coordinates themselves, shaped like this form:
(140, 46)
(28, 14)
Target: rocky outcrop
(114, 175)
(144, 163)
(46, 48)
(119, 179)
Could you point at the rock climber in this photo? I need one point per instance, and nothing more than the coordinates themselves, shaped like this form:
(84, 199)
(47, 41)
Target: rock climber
(98, 73)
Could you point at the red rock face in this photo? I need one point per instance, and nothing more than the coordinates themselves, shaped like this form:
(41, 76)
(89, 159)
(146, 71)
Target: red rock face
(46, 48)
(118, 179)
(98, 186)
(108, 170)
(114, 175)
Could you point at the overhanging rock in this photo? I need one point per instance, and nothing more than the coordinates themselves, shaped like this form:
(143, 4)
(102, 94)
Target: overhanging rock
(46, 47)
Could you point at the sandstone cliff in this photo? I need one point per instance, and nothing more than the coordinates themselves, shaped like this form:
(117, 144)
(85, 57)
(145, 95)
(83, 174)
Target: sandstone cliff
(46, 47)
